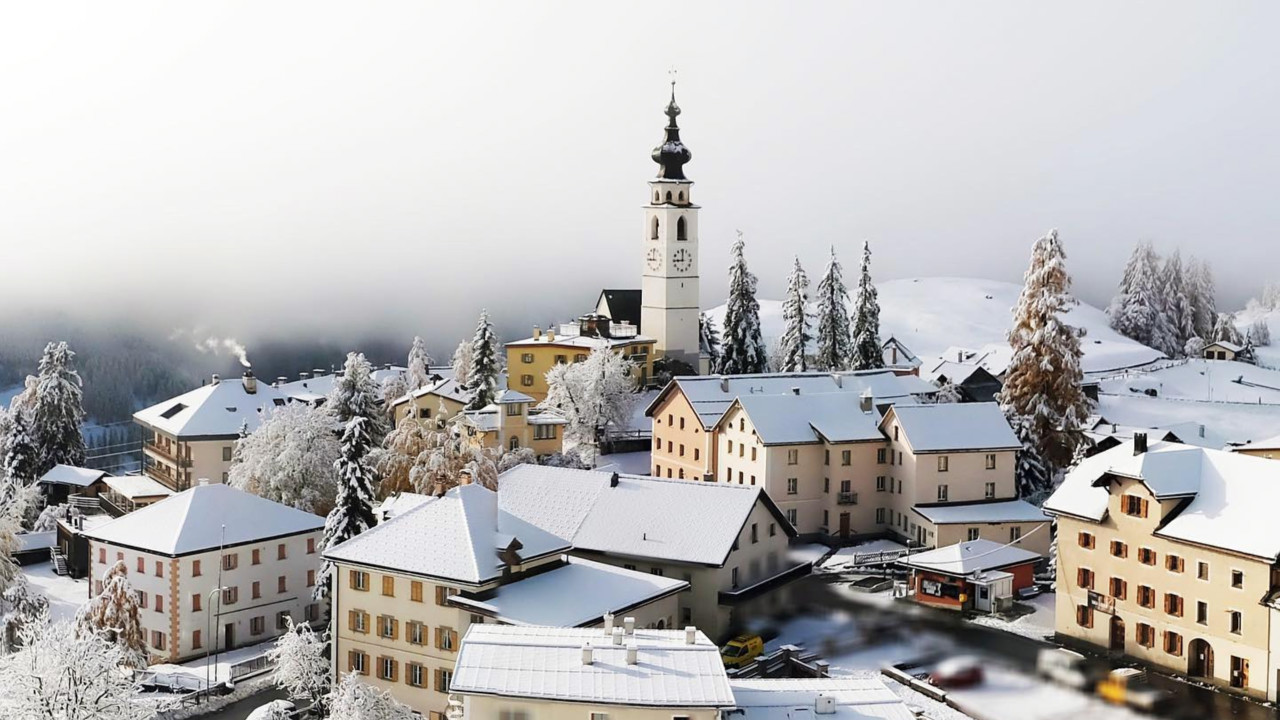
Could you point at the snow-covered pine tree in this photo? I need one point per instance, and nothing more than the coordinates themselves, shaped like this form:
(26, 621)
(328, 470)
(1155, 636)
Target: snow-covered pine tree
(868, 353)
(1200, 278)
(357, 394)
(482, 380)
(113, 615)
(352, 512)
(20, 610)
(1225, 330)
(1136, 304)
(742, 350)
(462, 363)
(1260, 332)
(20, 453)
(835, 334)
(1180, 313)
(708, 340)
(1042, 394)
(419, 364)
(795, 316)
(1271, 296)
(58, 410)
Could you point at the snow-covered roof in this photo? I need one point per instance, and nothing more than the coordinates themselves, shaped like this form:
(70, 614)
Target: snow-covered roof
(676, 520)
(854, 698)
(72, 475)
(447, 388)
(456, 537)
(214, 410)
(545, 663)
(969, 557)
(512, 396)
(1233, 347)
(896, 354)
(137, 486)
(1191, 433)
(949, 427)
(400, 503)
(319, 386)
(1230, 497)
(982, 512)
(1271, 443)
(711, 395)
(798, 418)
(485, 419)
(953, 372)
(575, 594)
(192, 521)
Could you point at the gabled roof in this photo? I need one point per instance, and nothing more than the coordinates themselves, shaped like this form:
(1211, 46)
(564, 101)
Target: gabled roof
(1233, 347)
(624, 305)
(953, 427)
(677, 520)
(319, 386)
(854, 698)
(512, 396)
(137, 486)
(970, 557)
(215, 410)
(905, 358)
(982, 512)
(72, 475)
(790, 418)
(545, 663)
(1271, 443)
(1229, 498)
(455, 537)
(447, 388)
(192, 521)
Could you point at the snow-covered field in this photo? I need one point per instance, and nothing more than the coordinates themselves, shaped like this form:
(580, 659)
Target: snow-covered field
(64, 594)
(1223, 421)
(1203, 381)
(932, 314)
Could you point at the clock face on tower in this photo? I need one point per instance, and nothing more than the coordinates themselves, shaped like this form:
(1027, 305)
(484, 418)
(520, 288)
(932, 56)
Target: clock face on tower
(654, 259)
(682, 260)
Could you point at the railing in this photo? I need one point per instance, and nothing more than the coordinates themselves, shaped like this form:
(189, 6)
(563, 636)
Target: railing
(250, 667)
(166, 453)
(847, 498)
(86, 504)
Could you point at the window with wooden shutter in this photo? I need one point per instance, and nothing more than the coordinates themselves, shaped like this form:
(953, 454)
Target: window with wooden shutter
(1119, 588)
(1173, 604)
(388, 586)
(415, 590)
(1119, 549)
(438, 679)
(1086, 540)
(1084, 578)
(1172, 643)
(1084, 616)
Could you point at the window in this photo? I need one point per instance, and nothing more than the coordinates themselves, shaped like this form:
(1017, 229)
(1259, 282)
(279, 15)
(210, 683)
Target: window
(388, 586)
(311, 546)
(826, 522)
(942, 493)
(1145, 635)
(313, 612)
(230, 562)
(514, 409)
(681, 423)
(446, 639)
(972, 534)
(196, 599)
(943, 463)
(415, 590)
(879, 516)
(733, 577)
(358, 621)
(880, 456)
(1086, 540)
(444, 678)
(1202, 612)
(415, 632)
(793, 456)
(257, 557)
(311, 578)
(230, 596)
(358, 662)
(1146, 556)
(562, 359)
(681, 449)
(102, 557)
(195, 639)
(826, 485)
(793, 486)
(1237, 579)
(281, 552)
(142, 565)
(755, 535)
(1202, 570)
(989, 491)
(443, 594)
(159, 603)
(792, 516)
(991, 461)
(359, 580)
(544, 432)
(1173, 604)
(256, 591)
(226, 454)
(895, 433)
(388, 627)
(1237, 622)
(526, 380)
(742, 424)
(282, 584)
(526, 358)
(157, 639)
(1084, 616)
(1173, 563)
(1146, 596)
(599, 716)
(846, 457)
(681, 232)
(879, 483)
(257, 625)
(1084, 578)
(1133, 505)
(1119, 549)
(1172, 643)
(416, 675)
(282, 619)
(386, 668)
(159, 569)
(1119, 588)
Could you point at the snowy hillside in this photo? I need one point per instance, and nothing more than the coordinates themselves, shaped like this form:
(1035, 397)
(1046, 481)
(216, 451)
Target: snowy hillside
(1267, 355)
(1204, 381)
(933, 314)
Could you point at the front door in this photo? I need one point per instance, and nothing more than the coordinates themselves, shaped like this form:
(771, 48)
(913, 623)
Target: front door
(228, 636)
(844, 525)
(1117, 634)
(1239, 672)
(1200, 664)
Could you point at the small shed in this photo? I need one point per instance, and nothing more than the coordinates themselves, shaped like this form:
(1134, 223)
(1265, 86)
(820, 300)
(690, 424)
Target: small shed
(970, 575)
(1222, 350)
(63, 481)
(130, 492)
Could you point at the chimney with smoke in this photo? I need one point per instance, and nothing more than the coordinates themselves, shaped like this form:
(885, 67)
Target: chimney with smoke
(250, 382)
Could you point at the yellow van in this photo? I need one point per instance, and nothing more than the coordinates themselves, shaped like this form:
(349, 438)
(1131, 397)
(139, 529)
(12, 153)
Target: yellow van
(741, 650)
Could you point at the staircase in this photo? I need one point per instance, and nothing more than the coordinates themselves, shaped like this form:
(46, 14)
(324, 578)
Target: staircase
(59, 562)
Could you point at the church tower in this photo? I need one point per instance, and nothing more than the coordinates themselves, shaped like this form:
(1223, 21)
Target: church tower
(669, 292)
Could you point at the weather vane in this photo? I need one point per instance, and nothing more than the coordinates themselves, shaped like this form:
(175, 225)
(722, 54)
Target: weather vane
(672, 73)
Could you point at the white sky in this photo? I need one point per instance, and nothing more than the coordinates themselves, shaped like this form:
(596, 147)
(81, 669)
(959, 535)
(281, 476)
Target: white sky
(401, 164)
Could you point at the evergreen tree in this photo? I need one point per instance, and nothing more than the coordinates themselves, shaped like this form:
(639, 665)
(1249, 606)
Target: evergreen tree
(1225, 330)
(708, 340)
(835, 339)
(868, 354)
(1179, 314)
(113, 615)
(482, 380)
(419, 364)
(357, 394)
(1133, 310)
(796, 338)
(58, 410)
(1042, 394)
(462, 363)
(352, 512)
(743, 350)
(1206, 306)
(20, 452)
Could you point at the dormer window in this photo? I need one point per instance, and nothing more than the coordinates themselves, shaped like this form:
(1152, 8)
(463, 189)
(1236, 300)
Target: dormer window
(1133, 506)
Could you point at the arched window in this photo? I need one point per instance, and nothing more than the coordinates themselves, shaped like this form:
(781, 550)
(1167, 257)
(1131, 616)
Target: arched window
(668, 196)
(681, 196)
(654, 235)
(657, 196)
(680, 231)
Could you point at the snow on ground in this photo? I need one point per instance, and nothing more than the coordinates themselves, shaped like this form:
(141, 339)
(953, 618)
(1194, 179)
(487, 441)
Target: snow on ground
(220, 670)
(1037, 625)
(632, 463)
(1223, 421)
(1204, 381)
(65, 595)
(812, 552)
(930, 315)
(1008, 695)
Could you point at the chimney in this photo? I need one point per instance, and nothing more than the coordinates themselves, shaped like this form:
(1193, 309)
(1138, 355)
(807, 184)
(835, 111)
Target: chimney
(865, 400)
(464, 477)
(216, 378)
(613, 480)
(281, 380)
(1139, 443)
(617, 636)
(586, 654)
(724, 384)
(839, 379)
(959, 356)
(551, 334)
(249, 381)
(825, 705)
(608, 624)
(1201, 431)
(690, 635)
(795, 391)
(629, 624)
(386, 366)
(537, 332)
(318, 372)
(304, 375)
(633, 654)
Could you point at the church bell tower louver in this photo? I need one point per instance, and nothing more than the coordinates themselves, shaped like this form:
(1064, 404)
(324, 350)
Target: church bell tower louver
(669, 292)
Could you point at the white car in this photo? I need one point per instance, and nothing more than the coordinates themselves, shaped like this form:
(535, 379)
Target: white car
(274, 710)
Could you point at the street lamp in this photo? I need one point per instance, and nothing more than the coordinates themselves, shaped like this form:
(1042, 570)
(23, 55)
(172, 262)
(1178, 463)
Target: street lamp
(208, 623)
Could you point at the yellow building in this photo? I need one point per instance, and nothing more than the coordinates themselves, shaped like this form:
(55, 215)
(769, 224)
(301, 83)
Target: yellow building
(529, 360)
(511, 423)
(432, 405)
(1266, 448)
(1168, 554)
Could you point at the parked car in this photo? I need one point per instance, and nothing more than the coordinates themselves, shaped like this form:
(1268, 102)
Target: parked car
(957, 672)
(1064, 667)
(1130, 686)
(741, 650)
(274, 710)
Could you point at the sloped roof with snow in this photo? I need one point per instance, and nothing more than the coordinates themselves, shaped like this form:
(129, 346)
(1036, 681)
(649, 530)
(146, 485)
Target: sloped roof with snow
(192, 521)
(512, 396)
(678, 520)
(1230, 498)
(137, 486)
(456, 537)
(954, 427)
(790, 418)
(982, 512)
(855, 698)
(319, 386)
(575, 594)
(72, 475)
(545, 663)
(215, 410)
(969, 557)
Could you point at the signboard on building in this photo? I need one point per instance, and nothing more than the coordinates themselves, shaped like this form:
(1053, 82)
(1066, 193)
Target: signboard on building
(1102, 603)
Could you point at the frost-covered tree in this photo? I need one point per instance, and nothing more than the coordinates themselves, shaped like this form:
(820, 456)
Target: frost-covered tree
(395, 460)
(16, 499)
(357, 394)
(571, 458)
(301, 660)
(795, 317)
(1203, 297)
(1042, 394)
(947, 394)
(1225, 330)
(868, 353)
(352, 699)
(352, 511)
(1259, 333)
(462, 363)
(113, 615)
(1179, 317)
(708, 340)
(514, 458)
(482, 381)
(742, 348)
(1194, 347)
(290, 459)
(1271, 296)
(58, 410)
(419, 364)
(20, 609)
(62, 673)
(590, 395)
(835, 332)
(391, 389)
(47, 520)
(449, 461)
(1032, 477)
(20, 456)
(1134, 309)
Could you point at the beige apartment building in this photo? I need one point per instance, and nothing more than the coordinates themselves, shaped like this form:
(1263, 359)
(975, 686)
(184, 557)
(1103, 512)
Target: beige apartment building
(729, 543)
(1168, 553)
(215, 568)
(192, 437)
(408, 589)
(512, 422)
(433, 405)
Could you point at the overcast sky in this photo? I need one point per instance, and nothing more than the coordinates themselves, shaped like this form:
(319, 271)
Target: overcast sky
(269, 166)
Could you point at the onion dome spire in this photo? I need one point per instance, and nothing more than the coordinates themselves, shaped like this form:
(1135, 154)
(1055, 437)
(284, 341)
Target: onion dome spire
(671, 155)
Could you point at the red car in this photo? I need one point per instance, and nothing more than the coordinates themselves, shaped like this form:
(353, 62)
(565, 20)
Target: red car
(957, 672)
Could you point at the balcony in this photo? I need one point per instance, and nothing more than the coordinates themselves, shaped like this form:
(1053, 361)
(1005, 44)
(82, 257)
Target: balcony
(165, 453)
(847, 498)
